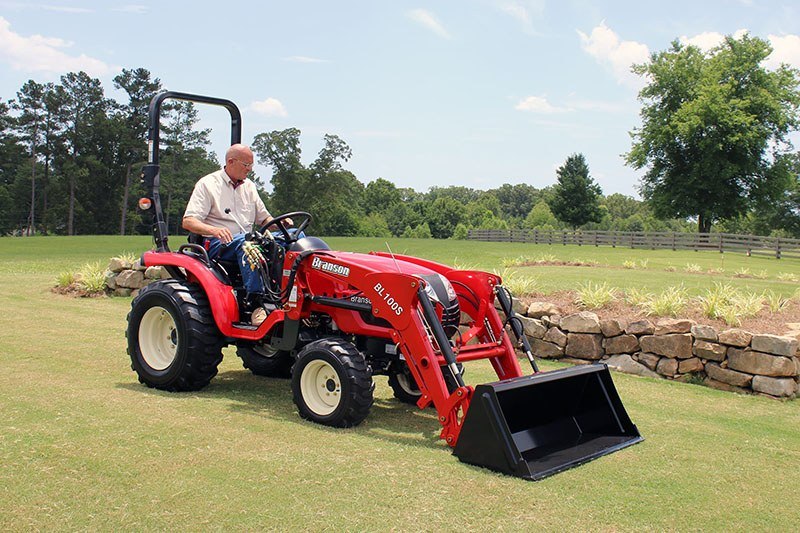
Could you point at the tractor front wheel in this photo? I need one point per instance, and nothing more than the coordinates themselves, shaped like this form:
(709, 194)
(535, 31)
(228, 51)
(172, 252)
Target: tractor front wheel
(173, 342)
(331, 383)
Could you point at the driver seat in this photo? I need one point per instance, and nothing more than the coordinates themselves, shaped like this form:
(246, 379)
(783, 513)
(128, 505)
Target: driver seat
(227, 271)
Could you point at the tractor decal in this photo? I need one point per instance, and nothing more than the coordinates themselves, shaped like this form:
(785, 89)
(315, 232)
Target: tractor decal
(331, 268)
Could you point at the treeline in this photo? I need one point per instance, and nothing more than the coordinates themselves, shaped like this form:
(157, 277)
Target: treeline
(70, 159)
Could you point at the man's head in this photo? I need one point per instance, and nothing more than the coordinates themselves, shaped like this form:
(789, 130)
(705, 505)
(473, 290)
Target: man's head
(238, 162)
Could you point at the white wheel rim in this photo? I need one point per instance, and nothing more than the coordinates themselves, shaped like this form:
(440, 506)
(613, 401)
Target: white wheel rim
(158, 338)
(405, 383)
(321, 387)
(265, 350)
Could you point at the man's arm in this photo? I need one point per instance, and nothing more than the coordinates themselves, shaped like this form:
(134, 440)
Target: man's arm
(201, 228)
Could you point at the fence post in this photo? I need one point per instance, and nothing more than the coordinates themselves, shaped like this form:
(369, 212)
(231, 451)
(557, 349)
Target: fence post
(777, 247)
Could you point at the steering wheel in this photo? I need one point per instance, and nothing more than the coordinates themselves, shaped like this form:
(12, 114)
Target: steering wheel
(279, 222)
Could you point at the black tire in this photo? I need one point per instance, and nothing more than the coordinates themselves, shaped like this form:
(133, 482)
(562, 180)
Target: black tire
(331, 383)
(405, 387)
(263, 360)
(173, 342)
(403, 384)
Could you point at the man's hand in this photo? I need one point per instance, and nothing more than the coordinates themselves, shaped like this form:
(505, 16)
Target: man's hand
(285, 222)
(223, 234)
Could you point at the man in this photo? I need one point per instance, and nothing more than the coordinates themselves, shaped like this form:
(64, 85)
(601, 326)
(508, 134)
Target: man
(223, 203)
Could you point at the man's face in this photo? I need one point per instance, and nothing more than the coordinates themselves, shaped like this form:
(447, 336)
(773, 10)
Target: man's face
(238, 166)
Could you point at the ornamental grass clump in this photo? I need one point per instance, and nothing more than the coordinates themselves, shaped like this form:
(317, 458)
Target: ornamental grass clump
(725, 302)
(668, 302)
(693, 268)
(748, 304)
(637, 297)
(93, 278)
(716, 300)
(595, 295)
(518, 284)
(775, 301)
(65, 280)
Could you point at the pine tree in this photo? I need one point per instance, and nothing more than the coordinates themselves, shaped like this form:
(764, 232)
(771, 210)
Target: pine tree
(576, 198)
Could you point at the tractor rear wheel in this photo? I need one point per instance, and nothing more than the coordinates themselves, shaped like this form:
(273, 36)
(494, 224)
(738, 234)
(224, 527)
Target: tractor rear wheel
(173, 342)
(331, 383)
(264, 360)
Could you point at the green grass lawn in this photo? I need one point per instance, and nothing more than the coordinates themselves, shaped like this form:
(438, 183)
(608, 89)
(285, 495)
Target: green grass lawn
(84, 446)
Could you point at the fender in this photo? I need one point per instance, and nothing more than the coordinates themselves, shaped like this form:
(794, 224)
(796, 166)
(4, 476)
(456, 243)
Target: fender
(223, 303)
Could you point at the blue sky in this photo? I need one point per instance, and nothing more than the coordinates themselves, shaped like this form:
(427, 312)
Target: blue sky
(472, 92)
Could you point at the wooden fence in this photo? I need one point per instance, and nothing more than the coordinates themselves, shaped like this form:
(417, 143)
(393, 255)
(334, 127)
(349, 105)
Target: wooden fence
(722, 242)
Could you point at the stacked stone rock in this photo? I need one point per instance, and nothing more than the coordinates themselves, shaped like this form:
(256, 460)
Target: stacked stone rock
(732, 360)
(125, 278)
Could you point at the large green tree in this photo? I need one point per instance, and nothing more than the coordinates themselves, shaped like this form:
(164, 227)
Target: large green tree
(576, 197)
(324, 188)
(714, 130)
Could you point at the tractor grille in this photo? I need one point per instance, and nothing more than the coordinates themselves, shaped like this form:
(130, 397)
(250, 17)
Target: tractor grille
(451, 317)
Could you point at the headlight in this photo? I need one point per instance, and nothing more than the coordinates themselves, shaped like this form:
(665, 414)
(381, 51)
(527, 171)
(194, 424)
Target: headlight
(430, 292)
(439, 288)
(451, 292)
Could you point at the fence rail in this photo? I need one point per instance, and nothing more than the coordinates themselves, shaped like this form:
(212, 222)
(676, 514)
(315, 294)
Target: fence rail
(722, 242)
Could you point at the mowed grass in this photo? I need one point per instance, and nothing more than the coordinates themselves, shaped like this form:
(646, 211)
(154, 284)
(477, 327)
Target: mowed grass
(84, 446)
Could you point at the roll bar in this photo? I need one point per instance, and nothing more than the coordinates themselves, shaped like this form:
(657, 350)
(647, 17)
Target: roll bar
(151, 176)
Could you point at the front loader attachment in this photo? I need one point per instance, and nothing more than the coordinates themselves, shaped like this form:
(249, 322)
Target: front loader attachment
(535, 426)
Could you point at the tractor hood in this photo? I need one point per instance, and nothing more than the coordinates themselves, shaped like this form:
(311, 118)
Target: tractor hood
(437, 285)
(379, 263)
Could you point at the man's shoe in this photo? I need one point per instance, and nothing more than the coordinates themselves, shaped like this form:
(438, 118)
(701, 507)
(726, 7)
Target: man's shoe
(258, 316)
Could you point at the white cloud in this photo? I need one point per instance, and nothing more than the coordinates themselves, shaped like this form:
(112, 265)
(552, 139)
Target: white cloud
(135, 9)
(539, 104)
(524, 11)
(608, 49)
(305, 59)
(427, 20)
(271, 107)
(38, 53)
(709, 39)
(66, 9)
(785, 49)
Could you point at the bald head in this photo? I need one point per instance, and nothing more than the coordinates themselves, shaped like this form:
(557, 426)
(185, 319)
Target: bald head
(238, 162)
(239, 151)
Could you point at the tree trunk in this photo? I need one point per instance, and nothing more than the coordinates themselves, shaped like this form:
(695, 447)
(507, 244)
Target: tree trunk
(124, 217)
(703, 224)
(45, 181)
(71, 212)
(33, 191)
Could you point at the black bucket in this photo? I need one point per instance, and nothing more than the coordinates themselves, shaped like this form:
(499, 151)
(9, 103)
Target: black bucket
(536, 426)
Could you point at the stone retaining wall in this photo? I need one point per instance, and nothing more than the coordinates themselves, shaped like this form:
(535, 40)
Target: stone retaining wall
(731, 360)
(125, 278)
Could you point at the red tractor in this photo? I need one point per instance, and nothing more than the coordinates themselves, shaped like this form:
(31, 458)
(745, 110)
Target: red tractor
(338, 319)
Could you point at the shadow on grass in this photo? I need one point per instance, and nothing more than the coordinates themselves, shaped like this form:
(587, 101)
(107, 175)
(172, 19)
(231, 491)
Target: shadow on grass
(389, 420)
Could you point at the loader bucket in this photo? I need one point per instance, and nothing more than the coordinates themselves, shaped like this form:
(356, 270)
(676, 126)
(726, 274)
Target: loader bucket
(535, 426)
